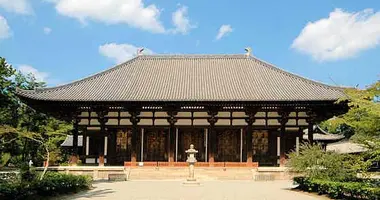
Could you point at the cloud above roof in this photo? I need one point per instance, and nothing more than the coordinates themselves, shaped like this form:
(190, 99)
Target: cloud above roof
(134, 13)
(17, 6)
(5, 30)
(340, 36)
(47, 30)
(181, 21)
(27, 69)
(224, 30)
(120, 53)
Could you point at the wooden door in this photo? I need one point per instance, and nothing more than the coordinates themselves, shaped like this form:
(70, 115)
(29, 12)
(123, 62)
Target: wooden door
(155, 144)
(123, 145)
(228, 145)
(191, 136)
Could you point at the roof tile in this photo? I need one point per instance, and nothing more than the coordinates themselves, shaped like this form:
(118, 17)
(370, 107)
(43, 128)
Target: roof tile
(190, 78)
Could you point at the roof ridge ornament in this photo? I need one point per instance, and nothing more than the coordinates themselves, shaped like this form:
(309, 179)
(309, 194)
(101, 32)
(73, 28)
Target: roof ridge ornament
(248, 51)
(140, 51)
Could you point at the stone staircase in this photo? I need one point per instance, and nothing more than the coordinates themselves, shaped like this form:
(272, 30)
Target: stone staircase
(181, 173)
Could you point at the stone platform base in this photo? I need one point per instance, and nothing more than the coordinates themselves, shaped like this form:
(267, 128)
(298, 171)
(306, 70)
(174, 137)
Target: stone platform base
(178, 173)
(97, 173)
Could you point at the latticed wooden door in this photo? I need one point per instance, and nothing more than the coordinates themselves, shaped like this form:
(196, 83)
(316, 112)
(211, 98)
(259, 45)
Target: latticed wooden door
(123, 145)
(228, 145)
(188, 137)
(260, 147)
(155, 143)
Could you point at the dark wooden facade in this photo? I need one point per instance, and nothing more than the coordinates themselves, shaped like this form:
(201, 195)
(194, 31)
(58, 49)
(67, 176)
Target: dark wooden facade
(222, 132)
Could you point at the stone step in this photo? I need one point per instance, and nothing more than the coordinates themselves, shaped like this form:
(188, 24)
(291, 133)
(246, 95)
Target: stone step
(182, 173)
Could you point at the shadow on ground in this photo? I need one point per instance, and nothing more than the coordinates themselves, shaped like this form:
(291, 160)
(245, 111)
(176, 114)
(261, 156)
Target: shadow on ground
(90, 194)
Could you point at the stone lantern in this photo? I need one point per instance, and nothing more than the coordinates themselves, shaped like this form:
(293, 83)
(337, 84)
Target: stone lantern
(191, 160)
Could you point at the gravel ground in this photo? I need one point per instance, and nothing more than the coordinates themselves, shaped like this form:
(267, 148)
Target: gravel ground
(208, 190)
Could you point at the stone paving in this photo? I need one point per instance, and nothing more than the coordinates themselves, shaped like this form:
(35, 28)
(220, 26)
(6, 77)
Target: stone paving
(208, 190)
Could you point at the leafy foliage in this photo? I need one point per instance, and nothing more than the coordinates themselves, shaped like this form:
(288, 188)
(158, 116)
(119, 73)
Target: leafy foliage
(314, 162)
(362, 121)
(365, 189)
(53, 184)
(26, 134)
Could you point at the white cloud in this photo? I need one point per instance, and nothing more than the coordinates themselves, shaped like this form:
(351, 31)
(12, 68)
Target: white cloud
(120, 53)
(131, 12)
(47, 30)
(341, 35)
(197, 43)
(5, 30)
(17, 6)
(27, 69)
(225, 29)
(181, 21)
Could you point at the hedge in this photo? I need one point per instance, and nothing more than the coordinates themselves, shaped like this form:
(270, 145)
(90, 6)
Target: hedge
(367, 190)
(53, 184)
(8, 176)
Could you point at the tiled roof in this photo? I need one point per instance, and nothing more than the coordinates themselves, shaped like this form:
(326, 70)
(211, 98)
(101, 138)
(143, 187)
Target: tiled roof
(320, 135)
(345, 147)
(190, 78)
(69, 141)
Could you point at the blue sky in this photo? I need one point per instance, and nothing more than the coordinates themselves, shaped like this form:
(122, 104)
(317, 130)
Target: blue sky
(332, 41)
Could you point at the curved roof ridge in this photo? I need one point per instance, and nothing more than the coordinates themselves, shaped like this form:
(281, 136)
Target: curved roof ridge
(205, 56)
(87, 78)
(317, 83)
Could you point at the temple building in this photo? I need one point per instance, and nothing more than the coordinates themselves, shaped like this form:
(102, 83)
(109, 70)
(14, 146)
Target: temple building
(237, 110)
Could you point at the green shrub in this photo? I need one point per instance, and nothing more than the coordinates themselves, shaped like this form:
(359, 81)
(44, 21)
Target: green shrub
(27, 174)
(312, 161)
(53, 184)
(340, 190)
(58, 183)
(9, 176)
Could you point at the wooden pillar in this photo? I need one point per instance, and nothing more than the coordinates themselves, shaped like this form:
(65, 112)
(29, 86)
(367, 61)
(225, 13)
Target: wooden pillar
(74, 155)
(84, 146)
(102, 120)
(282, 145)
(212, 138)
(310, 132)
(251, 112)
(111, 154)
(172, 134)
(134, 120)
(283, 120)
(311, 121)
(249, 143)
(142, 146)
(206, 146)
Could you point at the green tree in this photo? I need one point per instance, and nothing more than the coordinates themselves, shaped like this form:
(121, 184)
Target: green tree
(313, 162)
(362, 121)
(17, 119)
(8, 105)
